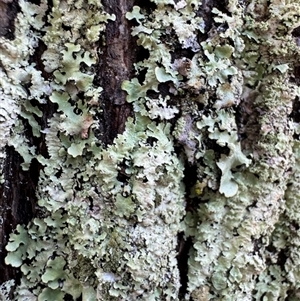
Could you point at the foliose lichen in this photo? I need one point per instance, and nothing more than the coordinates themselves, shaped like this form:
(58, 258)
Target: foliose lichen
(5, 289)
(99, 234)
(214, 94)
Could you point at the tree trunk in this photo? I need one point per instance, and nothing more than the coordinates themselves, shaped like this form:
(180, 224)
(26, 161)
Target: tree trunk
(149, 150)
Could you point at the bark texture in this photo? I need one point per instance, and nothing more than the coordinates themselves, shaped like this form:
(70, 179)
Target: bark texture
(116, 65)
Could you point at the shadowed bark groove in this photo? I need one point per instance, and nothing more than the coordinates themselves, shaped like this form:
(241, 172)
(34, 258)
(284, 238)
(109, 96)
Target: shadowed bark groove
(116, 64)
(17, 203)
(8, 12)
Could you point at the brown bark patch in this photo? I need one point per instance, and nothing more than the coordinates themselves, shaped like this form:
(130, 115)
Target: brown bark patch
(118, 53)
(8, 12)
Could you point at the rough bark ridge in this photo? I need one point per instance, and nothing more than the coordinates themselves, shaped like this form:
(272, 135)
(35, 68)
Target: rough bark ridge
(149, 151)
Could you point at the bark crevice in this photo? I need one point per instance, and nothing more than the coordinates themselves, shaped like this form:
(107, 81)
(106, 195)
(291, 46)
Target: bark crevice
(116, 60)
(17, 204)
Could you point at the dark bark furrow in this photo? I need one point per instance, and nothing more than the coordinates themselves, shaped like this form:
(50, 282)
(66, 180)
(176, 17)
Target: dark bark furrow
(17, 203)
(115, 65)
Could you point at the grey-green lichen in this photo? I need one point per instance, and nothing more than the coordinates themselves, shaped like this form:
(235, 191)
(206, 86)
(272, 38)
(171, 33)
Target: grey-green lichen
(15, 73)
(5, 290)
(110, 216)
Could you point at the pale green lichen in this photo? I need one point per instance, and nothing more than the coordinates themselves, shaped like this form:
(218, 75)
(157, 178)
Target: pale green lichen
(5, 290)
(15, 74)
(110, 216)
(79, 228)
(232, 240)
